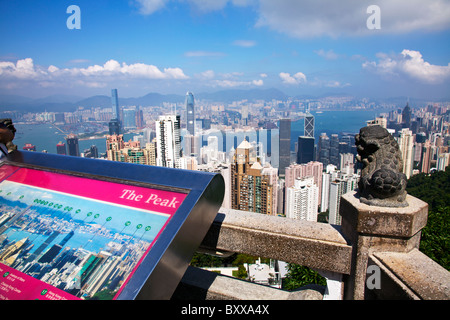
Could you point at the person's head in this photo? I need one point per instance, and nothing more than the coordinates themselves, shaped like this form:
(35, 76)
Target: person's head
(7, 131)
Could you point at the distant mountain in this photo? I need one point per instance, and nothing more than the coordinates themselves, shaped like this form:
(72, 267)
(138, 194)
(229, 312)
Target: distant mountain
(236, 95)
(62, 103)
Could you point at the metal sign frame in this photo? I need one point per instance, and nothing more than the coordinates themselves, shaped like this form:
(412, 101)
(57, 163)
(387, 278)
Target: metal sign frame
(164, 263)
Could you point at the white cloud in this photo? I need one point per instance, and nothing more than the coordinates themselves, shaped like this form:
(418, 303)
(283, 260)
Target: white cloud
(208, 5)
(235, 83)
(297, 78)
(22, 69)
(315, 18)
(147, 7)
(258, 83)
(91, 76)
(245, 43)
(411, 64)
(328, 55)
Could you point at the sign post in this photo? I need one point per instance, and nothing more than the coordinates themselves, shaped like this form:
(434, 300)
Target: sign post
(76, 228)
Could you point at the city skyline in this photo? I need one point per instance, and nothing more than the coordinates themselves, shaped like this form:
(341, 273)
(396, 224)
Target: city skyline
(169, 46)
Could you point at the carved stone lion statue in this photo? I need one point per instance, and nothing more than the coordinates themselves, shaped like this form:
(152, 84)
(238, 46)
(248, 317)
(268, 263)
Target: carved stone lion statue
(382, 182)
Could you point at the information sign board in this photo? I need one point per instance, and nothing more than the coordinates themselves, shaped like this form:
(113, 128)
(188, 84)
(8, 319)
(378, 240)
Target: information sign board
(74, 228)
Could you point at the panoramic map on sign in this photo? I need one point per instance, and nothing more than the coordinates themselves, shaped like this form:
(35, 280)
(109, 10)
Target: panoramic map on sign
(68, 237)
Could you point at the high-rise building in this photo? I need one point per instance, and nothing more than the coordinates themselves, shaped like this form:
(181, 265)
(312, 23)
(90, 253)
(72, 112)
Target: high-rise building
(72, 145)
(299, 171)
(334, 149)
(190, 113)
(284, 145)
(253, 187)
(168, 141)
(129, 118)
(309, 125)
(426, 157)
(114, 127)
(406, 116)
(339, 186)
(305, 152)
(61, 148)
(115, 105)
(302, 200)
(406, 143)
(115, 124)
(324, 149)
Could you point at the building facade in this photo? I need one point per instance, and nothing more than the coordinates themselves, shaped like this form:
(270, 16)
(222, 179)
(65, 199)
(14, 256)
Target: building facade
(168, 141)
(253, 187)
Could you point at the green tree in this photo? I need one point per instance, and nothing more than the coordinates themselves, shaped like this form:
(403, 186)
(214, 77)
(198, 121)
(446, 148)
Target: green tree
(299, 276)
(435, 190)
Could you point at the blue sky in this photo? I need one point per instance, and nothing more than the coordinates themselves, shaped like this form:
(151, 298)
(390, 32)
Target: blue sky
(174, 46)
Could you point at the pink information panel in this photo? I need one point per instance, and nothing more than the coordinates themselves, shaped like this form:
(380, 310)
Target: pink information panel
(64, 237)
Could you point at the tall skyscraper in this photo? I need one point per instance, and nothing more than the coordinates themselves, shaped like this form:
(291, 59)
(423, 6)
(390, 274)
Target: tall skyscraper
(334, 149)
(284, 145)
(115, 124)
(406, 116)
(168, 141)
(309, 125)
(302, 200)
(342, 184)
(129, 118)
(190, 113)
(406, 143)
(253, 187)
(299, 171)
(72, 145)
(115, 104)
(305, 152)
(324, 149)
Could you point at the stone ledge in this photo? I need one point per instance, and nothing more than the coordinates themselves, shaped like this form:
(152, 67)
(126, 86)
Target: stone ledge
(393, 222)
(414, 270)
(312, 244)
(199, 284)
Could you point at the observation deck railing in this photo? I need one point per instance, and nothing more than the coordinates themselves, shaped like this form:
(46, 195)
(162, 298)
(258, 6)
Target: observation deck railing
(372, 255)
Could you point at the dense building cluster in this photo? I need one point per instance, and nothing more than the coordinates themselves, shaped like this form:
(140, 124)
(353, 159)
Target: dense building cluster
(251, 145)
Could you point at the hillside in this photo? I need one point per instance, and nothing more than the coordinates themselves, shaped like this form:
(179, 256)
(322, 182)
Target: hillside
(435, 190)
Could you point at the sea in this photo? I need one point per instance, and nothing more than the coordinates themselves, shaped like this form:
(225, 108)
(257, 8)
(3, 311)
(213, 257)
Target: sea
(45, 136)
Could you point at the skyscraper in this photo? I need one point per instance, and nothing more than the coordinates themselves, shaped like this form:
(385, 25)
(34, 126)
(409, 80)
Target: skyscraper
(72, 145)
(406, 143)
(302, 200)
(115, 104)
(305, 152)
(324, 149)
(190, 113)
(334, 149)
(406, 116)
(253, 187)
(309, 125)
(168, 140)
(115, 123)
(299, 171)
(285, 145)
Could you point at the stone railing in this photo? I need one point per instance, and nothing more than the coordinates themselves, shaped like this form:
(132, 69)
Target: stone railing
(373, 255)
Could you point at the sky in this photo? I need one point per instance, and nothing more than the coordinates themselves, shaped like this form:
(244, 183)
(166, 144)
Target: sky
(301, 47)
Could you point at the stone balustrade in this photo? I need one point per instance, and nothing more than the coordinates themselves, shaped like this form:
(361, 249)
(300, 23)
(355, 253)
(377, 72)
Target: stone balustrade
(373, 255)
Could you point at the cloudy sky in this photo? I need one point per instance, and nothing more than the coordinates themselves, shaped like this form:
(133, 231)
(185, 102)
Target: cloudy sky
(174, 46)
